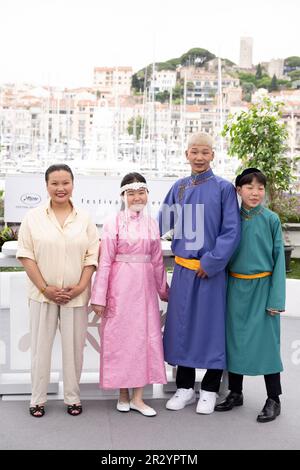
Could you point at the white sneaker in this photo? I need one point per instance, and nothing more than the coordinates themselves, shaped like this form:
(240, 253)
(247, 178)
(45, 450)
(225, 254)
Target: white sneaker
(206, 403)
(182, 397)
(123, 406)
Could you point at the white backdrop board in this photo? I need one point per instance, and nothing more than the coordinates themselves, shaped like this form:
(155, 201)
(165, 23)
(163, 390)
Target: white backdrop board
(99, 195)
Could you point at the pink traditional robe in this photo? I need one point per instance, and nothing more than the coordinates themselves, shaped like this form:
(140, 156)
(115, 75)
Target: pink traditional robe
(129, 277)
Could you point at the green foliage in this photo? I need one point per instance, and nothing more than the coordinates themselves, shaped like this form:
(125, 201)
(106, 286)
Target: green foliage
(7, 234)
(196, 56)
(264, 82)
(135, 126)
(11, 269)
(284, 83)
(168, 65)
(258, 74)
(178, 92)
(138, 81)
(274, 84)
(250, 82)
(228, 62)
(162, 96)
(143, 76)
(258, 138)
(287, 207)
(294, 74)
(1, 203)
(295, 269)
(293, 61)
(248, 88)
(247, 77)
(190, 86)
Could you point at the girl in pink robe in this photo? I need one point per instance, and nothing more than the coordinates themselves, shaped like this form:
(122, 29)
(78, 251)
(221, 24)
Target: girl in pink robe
(124, 294)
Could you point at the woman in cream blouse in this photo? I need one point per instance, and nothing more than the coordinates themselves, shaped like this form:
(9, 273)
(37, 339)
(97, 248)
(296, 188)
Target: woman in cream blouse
(58, 247)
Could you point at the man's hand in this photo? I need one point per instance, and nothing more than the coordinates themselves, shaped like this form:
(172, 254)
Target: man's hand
(201, 273)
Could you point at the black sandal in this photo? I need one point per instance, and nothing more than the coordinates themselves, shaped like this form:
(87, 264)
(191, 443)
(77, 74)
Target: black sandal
(74, 408)
(37, 409)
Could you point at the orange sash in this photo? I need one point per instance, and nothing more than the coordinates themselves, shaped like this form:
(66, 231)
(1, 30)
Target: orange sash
(193, 264)
(250, 276)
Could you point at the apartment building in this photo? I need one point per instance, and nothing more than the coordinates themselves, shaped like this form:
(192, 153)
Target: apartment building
(163, 80)
(202, 86)
(113, 80)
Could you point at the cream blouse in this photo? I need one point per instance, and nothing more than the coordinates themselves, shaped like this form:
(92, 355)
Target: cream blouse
(61, 253)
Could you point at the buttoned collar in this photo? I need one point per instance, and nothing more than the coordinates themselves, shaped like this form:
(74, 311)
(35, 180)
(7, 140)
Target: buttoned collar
(197, 177)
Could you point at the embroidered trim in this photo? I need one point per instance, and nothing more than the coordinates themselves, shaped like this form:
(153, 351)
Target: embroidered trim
(189, 184)
(248, 216)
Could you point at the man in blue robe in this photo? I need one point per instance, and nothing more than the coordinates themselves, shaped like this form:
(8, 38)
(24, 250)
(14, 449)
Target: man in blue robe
(202, 211)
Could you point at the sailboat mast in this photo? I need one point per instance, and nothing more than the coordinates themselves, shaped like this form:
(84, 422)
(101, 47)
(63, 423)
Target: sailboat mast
(221, 119)
(154, 115)
(183, 117)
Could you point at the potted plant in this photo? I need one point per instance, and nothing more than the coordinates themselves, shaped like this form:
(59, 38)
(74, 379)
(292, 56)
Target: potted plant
(287, 207)
(258, 137)
(7, 234)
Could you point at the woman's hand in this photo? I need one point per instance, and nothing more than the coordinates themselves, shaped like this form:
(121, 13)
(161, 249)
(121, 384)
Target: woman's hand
(73, 291)
(98, 309)
(57, 295)
(164, 296)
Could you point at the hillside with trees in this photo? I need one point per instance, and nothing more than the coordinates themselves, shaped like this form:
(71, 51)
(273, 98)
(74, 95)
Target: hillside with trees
(250, 81)
(195, 56)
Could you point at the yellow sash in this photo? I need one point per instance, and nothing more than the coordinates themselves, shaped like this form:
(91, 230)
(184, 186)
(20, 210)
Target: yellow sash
(250, 276)
(193, 264)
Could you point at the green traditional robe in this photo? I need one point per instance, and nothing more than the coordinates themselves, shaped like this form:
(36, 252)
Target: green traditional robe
(253, 335)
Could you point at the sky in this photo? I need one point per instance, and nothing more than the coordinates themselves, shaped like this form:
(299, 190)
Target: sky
(59, 42)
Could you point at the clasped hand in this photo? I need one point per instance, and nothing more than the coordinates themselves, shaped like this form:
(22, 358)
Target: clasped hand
(62, 296)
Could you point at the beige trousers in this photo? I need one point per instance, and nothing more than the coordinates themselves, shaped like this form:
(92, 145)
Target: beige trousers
(72, 322)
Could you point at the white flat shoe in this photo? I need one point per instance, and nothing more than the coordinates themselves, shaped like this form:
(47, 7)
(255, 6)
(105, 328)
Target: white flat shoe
(146, 410)
(123, 406)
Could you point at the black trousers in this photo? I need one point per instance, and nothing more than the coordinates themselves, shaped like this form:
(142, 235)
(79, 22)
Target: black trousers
(185, 378)
(272, 382)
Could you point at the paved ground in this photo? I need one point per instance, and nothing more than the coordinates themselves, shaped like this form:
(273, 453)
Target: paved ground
(102, 427)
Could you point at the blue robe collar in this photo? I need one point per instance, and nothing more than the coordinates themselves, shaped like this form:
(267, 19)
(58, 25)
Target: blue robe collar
(199, 177)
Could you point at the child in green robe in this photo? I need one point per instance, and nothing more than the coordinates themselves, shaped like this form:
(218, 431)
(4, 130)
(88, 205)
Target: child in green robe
(255, 298)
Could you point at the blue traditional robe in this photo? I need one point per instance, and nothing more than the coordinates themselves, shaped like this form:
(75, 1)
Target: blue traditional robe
(253, 335)
(194, 334)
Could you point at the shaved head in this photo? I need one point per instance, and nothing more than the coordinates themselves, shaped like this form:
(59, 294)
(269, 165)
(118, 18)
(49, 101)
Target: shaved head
(200, 138)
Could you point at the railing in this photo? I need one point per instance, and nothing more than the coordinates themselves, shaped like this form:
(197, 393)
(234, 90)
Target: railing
(14, 332)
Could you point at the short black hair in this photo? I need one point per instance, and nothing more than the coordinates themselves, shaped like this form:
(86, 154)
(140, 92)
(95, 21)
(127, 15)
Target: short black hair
(58, 167)
(132, 178)
(248, 175)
